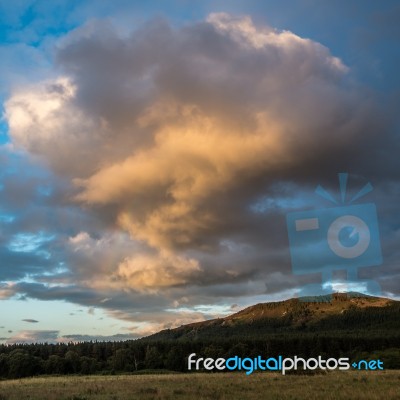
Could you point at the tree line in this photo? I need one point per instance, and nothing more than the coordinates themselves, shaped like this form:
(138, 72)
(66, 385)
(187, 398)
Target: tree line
(133, 356)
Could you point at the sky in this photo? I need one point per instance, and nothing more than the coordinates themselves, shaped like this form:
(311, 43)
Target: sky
(151, 151)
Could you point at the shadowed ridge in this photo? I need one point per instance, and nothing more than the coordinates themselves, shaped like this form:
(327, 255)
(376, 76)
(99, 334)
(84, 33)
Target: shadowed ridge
(339, 312)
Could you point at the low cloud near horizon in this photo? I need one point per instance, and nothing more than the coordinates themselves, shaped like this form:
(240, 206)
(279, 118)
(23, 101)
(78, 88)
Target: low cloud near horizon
(53, 337)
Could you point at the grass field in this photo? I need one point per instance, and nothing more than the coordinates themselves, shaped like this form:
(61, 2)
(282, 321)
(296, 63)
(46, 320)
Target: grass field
(336, 385)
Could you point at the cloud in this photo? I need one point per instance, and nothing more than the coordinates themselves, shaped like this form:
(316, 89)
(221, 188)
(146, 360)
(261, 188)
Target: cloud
(147, 323)
(6, 291)
(33, 336)
(53, 336)
(184, 148)
(157, 271)
(35, 218)
(32, 321)
(99, 338)
(171, 122)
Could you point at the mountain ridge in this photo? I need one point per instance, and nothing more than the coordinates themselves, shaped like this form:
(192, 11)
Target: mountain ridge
(336, 312)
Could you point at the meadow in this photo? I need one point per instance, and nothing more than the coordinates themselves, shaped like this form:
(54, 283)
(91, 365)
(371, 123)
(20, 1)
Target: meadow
(332, 386)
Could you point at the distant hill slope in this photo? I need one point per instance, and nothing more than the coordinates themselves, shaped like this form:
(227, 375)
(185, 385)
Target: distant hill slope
(350, 313)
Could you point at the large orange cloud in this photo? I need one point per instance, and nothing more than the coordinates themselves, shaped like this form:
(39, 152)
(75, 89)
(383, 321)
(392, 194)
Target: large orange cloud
(174, 133)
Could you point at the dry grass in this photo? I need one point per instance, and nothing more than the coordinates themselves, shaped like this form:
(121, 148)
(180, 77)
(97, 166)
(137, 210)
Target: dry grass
(336, 385)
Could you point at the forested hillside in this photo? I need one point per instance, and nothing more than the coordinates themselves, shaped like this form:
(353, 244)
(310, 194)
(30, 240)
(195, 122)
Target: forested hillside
(351, 326)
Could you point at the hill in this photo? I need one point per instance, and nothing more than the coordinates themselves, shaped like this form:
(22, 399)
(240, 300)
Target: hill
(340, 313)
